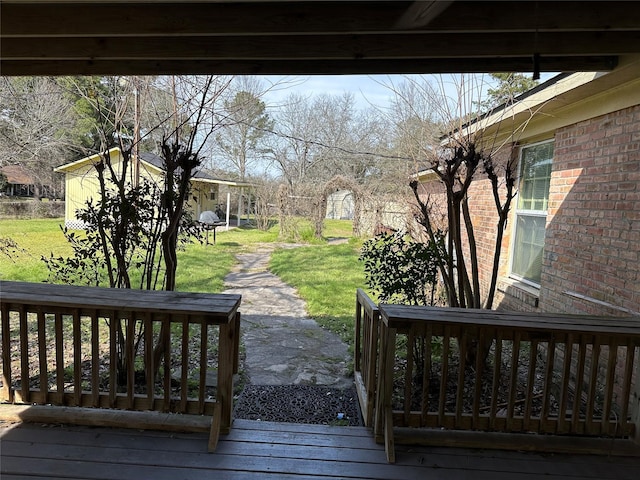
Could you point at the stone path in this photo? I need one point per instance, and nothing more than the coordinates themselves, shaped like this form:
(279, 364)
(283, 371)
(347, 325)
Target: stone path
(283, 346)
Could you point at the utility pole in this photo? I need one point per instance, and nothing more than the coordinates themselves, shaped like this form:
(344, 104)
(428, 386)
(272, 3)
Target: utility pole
(175, 108)
(136, 132)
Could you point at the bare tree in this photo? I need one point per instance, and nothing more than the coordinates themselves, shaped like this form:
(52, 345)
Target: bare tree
(458, 156)
(293, 151)
(35, 118)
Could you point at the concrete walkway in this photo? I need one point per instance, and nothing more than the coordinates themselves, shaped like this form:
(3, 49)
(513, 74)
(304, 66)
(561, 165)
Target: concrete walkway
(283, 346)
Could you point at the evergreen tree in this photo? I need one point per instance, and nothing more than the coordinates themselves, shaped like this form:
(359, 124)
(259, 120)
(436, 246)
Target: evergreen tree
(508, 87)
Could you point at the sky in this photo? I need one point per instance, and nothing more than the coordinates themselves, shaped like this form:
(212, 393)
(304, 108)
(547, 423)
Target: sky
(368, 90)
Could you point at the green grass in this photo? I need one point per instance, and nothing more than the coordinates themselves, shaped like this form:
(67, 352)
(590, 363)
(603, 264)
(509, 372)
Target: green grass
(202, 268)
(34, 238)
(327, 278)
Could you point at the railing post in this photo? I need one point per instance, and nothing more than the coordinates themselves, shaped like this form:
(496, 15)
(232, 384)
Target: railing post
(366, 354)
(224, 392)
(384, 412)
(635, 412)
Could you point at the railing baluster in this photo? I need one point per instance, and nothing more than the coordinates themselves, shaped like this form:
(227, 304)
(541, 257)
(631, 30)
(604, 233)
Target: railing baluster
(59, 357)
(95, 359)
(463, 335)
(204, 359)
(42, 355)
(426, 375)
(77, 359)
(565, 383)
(548, 381)
(443, 376)
(408, 375)
(149, 367)
(184, 373)
(24, 355)
(479, 367)
(130, 358)
(578, 426)
(497, 374)
(7, 380)
(513, 382)
(593, 383)
(609, 382)
(113, 356)
(166, 328)
(531, 378)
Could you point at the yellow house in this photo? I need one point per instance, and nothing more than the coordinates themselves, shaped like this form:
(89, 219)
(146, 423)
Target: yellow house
(81, 184)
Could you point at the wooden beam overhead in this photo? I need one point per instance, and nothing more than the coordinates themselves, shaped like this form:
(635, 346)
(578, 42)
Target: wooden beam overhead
(39, 37)
(304, 67)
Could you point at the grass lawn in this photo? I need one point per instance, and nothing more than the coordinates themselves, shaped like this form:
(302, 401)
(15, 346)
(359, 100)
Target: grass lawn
(34, 238)
(325, 275)
(327, 278)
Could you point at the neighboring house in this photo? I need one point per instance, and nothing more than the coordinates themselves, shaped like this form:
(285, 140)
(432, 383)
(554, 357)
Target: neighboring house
(81, 182)
(572, 242)
(19, 182)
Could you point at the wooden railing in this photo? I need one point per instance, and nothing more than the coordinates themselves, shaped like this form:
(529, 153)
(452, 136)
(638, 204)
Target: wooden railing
(367, 327)
(457, 376)
(120, 349)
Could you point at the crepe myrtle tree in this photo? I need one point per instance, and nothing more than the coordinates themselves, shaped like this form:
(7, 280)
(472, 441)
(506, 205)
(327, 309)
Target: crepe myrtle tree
(458, 157)
(134, 229)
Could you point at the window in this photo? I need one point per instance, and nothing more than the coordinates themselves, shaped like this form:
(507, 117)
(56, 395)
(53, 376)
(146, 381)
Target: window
(531, 212)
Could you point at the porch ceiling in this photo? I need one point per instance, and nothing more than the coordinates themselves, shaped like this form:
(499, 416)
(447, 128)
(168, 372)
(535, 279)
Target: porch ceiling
(39, 37)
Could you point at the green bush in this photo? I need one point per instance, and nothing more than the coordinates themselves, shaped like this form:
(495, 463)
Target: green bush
(400, 270)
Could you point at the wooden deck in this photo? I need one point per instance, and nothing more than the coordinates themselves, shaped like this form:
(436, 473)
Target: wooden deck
(258, 450)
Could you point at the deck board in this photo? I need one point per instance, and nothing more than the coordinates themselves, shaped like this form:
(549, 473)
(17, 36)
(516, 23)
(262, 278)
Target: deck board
(255, 450)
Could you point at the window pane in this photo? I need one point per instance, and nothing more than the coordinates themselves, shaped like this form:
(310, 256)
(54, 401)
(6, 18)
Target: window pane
(535, 176)
(529, 242)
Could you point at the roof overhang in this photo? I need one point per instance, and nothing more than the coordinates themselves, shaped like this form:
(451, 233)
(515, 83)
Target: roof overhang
(91, 159)
(550, 102)
(216, 181)
(55, 37)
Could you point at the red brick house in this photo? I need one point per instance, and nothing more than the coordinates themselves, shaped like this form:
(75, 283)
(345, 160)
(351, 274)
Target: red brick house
(572, 242)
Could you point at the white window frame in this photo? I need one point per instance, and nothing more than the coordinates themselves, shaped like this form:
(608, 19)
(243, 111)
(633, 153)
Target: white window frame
(522, 212)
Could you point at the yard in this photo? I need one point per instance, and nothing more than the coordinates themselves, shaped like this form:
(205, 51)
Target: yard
(328, 266)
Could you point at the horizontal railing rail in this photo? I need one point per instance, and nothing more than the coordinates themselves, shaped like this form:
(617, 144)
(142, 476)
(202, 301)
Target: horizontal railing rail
(487, 371)
(366, 353)
(120, 349)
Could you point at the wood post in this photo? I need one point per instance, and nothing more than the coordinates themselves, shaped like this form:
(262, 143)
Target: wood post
(635, 398)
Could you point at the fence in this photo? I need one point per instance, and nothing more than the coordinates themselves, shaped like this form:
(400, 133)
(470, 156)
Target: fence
(120, 349)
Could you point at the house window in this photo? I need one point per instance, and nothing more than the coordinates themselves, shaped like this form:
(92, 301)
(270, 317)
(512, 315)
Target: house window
(531, 212)
(212, 195)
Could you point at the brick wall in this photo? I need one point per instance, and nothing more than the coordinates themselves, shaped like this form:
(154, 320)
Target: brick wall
(592, 244)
